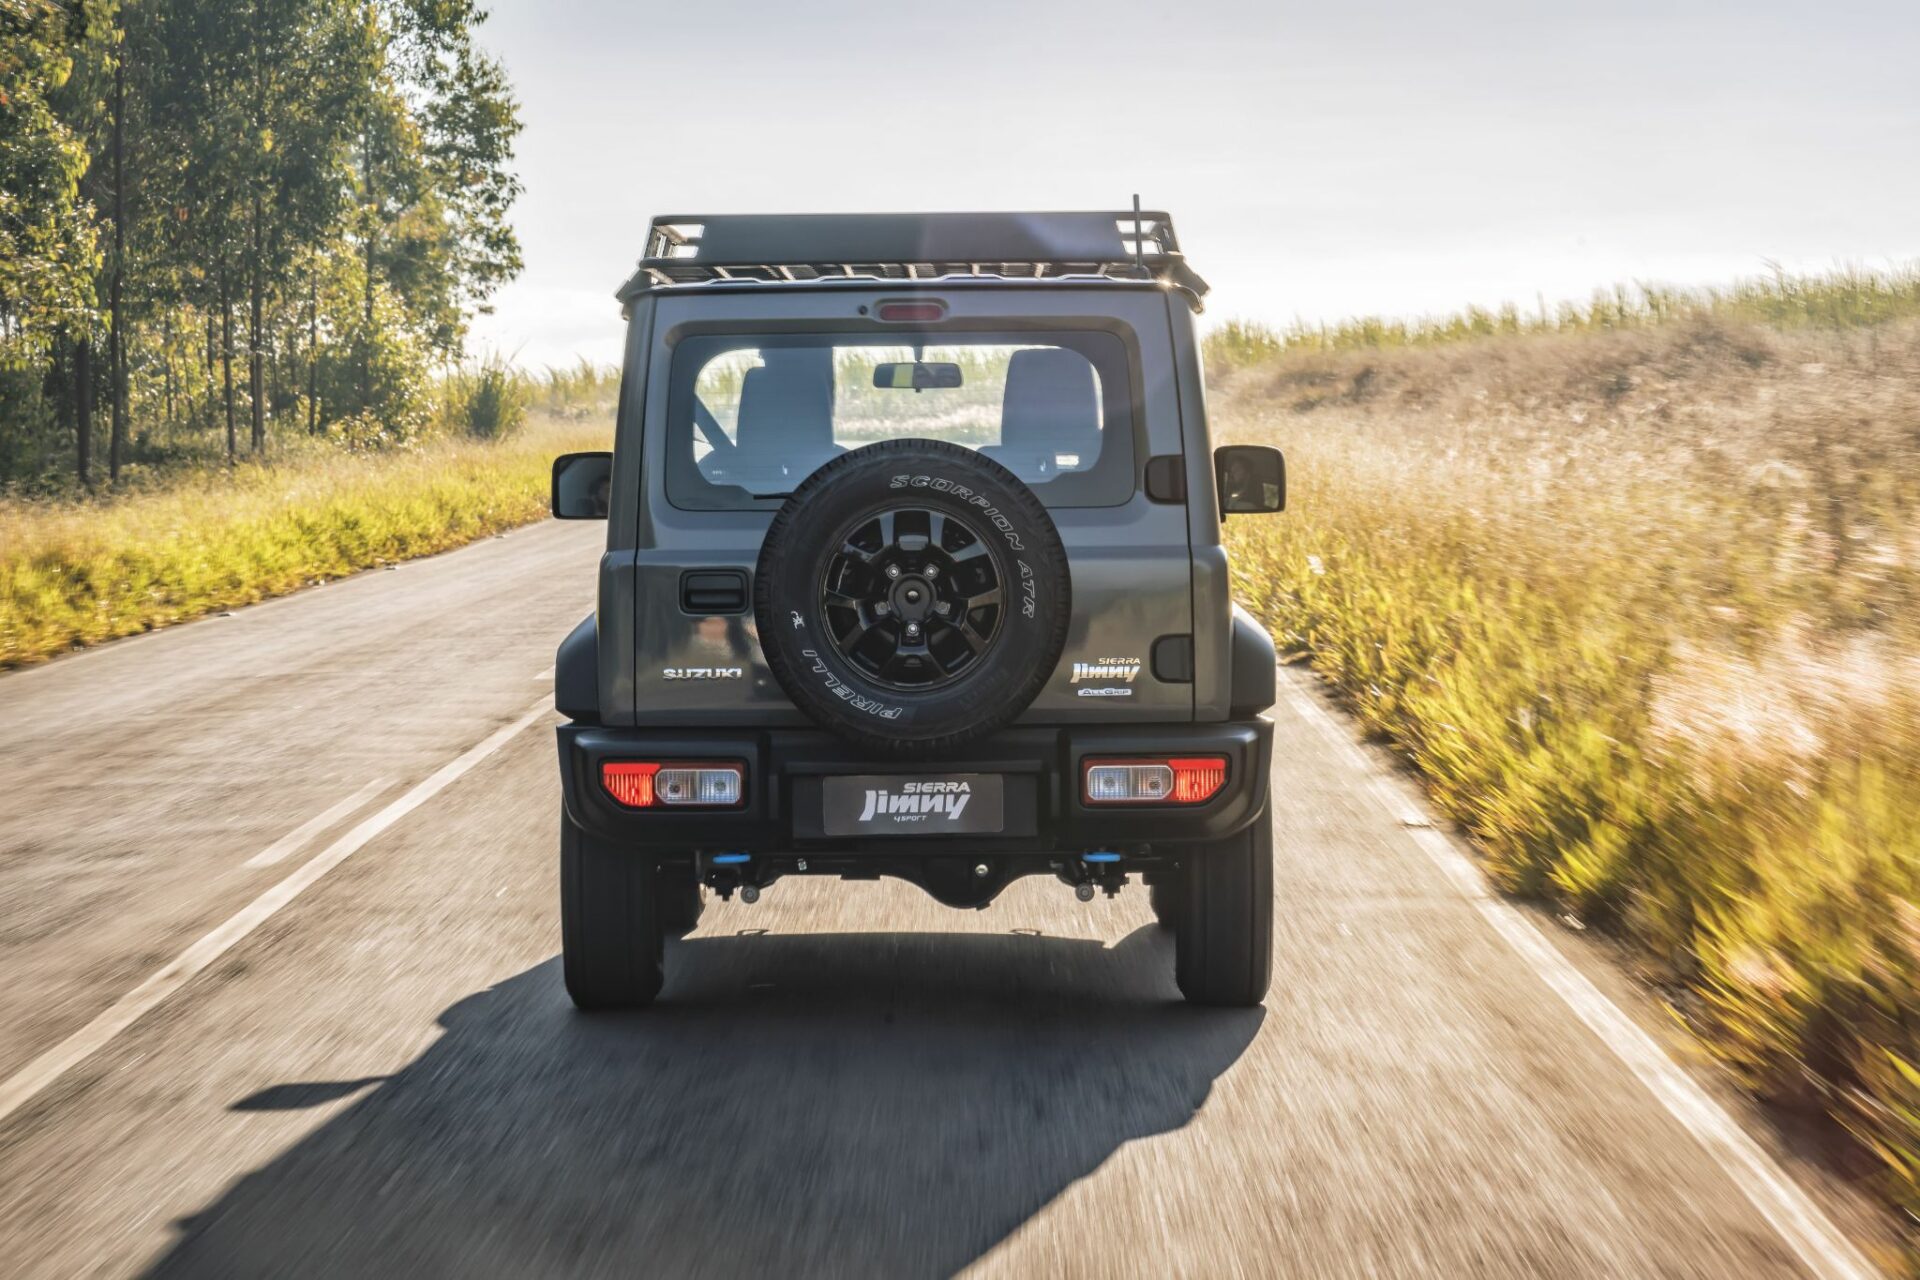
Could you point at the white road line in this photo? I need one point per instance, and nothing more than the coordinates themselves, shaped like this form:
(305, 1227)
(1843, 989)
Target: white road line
(1801, 1223)
(128, 1009)
(313, 826)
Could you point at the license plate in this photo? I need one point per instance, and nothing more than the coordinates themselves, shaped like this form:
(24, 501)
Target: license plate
(937, 804)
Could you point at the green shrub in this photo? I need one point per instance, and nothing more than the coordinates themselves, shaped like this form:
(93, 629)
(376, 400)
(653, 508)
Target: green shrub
(487, 400)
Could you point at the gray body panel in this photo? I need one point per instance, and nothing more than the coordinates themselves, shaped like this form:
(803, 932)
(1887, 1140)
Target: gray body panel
(1142, 570)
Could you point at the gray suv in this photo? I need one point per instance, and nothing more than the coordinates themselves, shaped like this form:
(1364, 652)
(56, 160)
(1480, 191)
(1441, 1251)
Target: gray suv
(914, 569)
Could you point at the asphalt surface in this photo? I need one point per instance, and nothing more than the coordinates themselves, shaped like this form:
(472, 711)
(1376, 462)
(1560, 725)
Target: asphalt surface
(381, 1074)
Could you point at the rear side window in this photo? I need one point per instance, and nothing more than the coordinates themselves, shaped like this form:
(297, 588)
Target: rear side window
(751, 416)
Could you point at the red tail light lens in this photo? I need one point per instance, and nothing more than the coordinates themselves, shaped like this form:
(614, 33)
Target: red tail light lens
(1198, 779)
(646, 784)
(629, 783)
(912, 312)
(1153, 780)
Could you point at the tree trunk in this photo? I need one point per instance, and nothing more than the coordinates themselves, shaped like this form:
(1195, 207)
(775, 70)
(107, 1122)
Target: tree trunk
(256, 285)
(256, 382)
(207, 366)
(313, 353)
(117, 348)
(226, 358)
(366, 319)
(166, 361)
(83, 408)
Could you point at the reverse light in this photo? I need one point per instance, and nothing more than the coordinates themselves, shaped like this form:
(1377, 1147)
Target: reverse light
(647, 784)
(1155, 780)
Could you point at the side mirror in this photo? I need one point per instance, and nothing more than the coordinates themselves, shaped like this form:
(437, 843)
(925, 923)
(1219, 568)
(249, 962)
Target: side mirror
(582, 483)
(1252, 478)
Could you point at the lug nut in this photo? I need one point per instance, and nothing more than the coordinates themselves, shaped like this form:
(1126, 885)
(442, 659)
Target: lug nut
(893, 571)
(931, 571)
(942, 607)
(913, 628)
(982, 870)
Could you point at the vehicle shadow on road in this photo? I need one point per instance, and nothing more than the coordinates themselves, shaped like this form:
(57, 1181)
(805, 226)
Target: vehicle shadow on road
(852, 1104)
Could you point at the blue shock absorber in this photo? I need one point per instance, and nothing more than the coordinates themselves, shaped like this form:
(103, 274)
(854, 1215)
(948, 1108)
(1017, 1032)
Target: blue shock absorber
(730, 859)
(1100, 855)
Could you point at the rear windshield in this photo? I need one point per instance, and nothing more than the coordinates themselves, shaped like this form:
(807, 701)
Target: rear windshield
(751, 416)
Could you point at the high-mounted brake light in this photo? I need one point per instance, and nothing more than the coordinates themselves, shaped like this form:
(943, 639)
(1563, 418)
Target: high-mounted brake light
(912, 312)
(646, 784)
(1154, 780)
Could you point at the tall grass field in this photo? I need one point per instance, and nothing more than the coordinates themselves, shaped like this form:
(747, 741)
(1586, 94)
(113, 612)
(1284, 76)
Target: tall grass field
(77, 572)
(1641, 603)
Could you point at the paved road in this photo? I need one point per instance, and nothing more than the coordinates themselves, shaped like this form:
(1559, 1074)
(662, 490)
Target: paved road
(383, 1075)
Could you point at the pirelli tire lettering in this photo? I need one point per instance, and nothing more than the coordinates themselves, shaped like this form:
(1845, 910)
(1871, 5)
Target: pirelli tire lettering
(851, 696)
(912, 595)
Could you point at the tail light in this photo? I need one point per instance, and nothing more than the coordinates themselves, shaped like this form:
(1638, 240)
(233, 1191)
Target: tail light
(928, 312)
(648, 784)
(1153, 780)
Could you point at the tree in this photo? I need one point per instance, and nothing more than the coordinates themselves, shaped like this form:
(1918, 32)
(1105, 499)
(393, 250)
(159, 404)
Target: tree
(328, 181)
(49, 250)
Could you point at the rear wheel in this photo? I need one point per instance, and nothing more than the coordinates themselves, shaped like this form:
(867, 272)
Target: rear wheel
(1165, 900)
(681, 901)
(610, 929)
(1223, 929)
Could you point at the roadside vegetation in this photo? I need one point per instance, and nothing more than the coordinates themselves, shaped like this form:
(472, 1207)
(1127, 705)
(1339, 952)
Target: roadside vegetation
(197, 539)
(1637, 591)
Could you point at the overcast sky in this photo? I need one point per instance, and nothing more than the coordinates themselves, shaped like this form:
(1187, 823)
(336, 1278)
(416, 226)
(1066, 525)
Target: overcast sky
(1320, 160)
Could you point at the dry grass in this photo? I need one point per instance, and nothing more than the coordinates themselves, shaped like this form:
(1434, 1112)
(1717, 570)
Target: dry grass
(1847, 297)
(77, 573)
(1644, 608)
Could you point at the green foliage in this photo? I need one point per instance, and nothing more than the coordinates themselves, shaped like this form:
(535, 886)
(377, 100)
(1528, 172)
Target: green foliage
(312, 199)
(48, 247)
(486, 400)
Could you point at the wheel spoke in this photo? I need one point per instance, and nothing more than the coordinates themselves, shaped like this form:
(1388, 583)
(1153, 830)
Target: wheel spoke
(972, 551)
(975, 641)
(991, 596)
(853, 635)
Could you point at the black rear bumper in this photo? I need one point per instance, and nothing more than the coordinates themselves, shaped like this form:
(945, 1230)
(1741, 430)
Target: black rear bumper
(1042, 766)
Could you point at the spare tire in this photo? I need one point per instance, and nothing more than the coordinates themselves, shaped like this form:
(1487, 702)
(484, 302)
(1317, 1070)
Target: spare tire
(912, 595)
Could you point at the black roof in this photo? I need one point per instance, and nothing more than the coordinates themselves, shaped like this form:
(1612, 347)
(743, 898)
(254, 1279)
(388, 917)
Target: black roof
(684, 249)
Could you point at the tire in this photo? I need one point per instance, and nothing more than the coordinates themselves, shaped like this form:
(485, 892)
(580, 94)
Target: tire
(1223, 936)
(610, 936)
(1165, 900)
(837, 630)
(681, 901)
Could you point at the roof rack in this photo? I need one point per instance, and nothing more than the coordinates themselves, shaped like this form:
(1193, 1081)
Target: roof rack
(785, 248)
